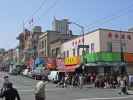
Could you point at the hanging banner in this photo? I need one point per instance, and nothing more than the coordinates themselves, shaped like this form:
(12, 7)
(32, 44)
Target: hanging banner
(60, 64)
(51, 63)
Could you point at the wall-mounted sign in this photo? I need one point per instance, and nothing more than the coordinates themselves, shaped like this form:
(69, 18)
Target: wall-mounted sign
(128, 57)
(103, 57)
(70, 61)
(51, 63)
(60, 63)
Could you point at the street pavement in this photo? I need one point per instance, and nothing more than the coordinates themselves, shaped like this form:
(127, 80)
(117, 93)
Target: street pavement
(26, 86)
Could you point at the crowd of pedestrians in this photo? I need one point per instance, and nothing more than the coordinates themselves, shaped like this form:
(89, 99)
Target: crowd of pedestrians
(75, 79)
(106, 81)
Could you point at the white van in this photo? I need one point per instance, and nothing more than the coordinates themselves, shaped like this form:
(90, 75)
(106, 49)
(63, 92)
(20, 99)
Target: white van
(53, 76)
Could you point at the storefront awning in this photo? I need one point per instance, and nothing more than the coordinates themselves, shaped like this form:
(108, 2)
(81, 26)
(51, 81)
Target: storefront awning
(69, 68)
(106, 64)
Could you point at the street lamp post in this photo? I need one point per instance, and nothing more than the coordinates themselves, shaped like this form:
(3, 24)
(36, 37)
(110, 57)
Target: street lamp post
(123, 68)
(83, 40)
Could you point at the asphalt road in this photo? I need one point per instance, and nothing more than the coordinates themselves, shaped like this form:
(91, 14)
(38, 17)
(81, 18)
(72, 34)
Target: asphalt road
(25, 87)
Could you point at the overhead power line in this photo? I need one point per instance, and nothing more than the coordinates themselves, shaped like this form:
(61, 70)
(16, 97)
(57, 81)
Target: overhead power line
(49, 8)
(36, 11)
(109, 20)
(118, 14)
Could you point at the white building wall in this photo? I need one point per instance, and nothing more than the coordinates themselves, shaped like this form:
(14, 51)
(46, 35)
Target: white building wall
(118, 42)
(91, 38)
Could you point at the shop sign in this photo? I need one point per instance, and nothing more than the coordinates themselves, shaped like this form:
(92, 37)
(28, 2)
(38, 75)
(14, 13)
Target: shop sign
(103, 57)
(70, 61)
(51, 63)
(90, 57)
(108, 57)
(60, 63)
(128, 57)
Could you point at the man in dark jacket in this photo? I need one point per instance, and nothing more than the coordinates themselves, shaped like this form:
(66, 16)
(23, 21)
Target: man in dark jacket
(11, 93)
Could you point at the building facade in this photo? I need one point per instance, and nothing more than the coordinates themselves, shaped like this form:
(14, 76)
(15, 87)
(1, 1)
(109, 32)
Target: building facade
(25, 44)
(61, 26)
(101, 40)
(50, 42)
(102, 44)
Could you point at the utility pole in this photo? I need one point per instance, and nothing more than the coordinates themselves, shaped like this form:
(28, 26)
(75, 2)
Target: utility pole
(83, 46)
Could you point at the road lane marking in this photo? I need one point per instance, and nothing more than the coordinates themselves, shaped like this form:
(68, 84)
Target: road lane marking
(31, 90)
(111, 98)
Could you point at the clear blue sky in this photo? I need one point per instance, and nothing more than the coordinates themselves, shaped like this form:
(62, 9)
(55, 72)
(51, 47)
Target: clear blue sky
(84, 12)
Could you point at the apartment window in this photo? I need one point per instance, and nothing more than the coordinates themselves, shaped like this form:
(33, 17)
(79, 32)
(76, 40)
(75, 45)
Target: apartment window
(110, 35)
(109, 46)
(129, 37)
(42, 44)
(78, 52)
(57, 51)
(74, 52)
(52, 52)
(67, 53)
(45, 44)
(64, 53)
(116, 36)
(92, 47)
(45, 47)
(122, 36)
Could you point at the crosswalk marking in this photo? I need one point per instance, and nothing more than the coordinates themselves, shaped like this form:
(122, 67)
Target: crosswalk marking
(111, 98)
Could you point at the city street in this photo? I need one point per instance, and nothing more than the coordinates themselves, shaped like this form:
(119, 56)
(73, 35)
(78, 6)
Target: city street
(25, 87)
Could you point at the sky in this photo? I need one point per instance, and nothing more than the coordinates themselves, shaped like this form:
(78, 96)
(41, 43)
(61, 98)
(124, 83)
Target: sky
(92, 14)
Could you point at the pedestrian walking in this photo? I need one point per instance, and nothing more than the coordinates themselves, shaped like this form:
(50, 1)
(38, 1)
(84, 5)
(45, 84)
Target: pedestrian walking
(81, 81)
(4, 85)
(10, 93)
(123, 87)
(40, 90)
(6, 80)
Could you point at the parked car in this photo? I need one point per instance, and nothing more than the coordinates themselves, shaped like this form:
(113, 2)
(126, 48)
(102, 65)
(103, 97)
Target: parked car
(14, 72)
(25, 72)
(53, 76)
